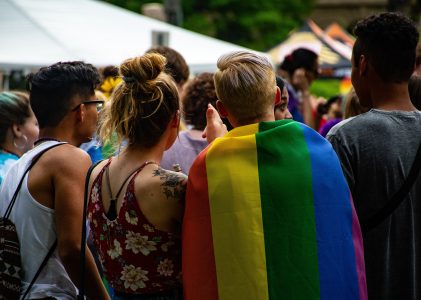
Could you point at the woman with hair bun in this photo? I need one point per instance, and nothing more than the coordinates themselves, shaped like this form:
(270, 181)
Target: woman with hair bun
(18, 128)
(135, 207)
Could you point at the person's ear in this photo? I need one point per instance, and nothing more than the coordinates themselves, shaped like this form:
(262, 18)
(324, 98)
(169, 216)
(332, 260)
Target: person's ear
(221, 109)
(175, 122)
(278, 96)
(80, 113)
(363, 65)
(17, 132)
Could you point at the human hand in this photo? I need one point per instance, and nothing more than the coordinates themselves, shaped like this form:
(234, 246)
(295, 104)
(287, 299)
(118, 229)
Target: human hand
(215, 127)
(300, 80)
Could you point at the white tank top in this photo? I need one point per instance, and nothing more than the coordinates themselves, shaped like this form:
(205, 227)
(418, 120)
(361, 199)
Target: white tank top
(36, 231)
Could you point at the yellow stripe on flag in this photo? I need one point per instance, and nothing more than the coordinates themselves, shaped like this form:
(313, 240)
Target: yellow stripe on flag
(237, 227)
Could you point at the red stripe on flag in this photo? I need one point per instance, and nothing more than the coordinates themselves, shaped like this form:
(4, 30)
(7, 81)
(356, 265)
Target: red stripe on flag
(199, 270)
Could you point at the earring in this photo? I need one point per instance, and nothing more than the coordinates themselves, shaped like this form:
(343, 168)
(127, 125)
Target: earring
(19, 145)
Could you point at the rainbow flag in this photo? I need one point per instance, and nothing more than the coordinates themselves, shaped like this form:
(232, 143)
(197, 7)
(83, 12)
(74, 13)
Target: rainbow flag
(269, 216)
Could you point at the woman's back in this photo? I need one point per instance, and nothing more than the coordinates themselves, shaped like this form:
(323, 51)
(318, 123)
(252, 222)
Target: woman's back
(139, 246)
(135, 206)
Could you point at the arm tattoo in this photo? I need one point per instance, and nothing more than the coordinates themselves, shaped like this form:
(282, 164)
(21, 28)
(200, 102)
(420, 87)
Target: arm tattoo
(171, 183)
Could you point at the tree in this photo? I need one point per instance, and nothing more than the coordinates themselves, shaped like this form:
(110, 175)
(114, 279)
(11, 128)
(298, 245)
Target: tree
(255, 24)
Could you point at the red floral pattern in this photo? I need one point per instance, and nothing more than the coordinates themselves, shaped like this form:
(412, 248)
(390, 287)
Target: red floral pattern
(137, 257)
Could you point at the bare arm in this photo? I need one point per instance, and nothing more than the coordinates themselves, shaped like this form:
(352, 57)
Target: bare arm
(69, 182)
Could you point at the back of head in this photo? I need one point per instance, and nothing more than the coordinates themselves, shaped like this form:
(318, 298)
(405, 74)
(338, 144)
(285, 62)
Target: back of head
(300, 58)
(245, 84)
(280, 82)
(414, 87)
(198, 93)
(52, 89)
(143, 104)
(176, 64)
(388, 41)
(14, 109)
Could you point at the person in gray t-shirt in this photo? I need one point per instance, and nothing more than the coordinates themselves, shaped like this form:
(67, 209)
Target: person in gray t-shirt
(377, 150)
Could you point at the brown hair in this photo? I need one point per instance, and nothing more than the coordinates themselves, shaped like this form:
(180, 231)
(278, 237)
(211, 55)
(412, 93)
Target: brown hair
(245, 84)
(352, 105)
(14, 109)
(143, 104)
(176, 64)
(198, 93)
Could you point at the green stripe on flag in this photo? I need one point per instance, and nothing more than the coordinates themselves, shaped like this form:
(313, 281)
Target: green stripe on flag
(288, 211)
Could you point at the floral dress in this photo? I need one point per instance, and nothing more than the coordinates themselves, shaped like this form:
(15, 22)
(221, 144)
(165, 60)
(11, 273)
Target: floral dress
(137, 257)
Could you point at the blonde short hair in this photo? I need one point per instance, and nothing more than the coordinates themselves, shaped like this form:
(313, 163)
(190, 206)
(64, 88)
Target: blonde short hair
(245, 84)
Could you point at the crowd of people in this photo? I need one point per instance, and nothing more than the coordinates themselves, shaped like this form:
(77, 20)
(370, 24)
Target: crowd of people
(233, 184)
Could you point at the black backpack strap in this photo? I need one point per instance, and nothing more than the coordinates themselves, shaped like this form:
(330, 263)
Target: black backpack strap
(15, 195)
(376, 219)
(81, 293)
(41, 267)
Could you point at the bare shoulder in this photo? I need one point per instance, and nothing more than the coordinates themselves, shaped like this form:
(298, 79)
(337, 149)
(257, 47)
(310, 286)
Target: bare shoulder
(172, 184)
(68, 155)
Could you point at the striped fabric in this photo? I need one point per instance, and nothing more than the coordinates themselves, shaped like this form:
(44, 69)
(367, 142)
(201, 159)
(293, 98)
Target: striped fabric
(269, 216)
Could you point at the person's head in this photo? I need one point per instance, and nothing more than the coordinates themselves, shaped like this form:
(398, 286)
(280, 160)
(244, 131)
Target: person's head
(281, 109)
(198, 93)
(384, 50)
(144, 108)
(414, 88)
(176, 64)
(352, 105)
(246, 88)
(302, 58)
(109, 80)
(18, 125)
(65, 92)
(332, 108)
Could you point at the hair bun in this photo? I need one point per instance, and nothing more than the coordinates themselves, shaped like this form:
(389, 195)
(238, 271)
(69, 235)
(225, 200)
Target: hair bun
(142, 68)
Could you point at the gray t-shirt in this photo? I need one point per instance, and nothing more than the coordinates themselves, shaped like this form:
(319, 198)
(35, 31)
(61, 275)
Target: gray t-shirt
(377, 150)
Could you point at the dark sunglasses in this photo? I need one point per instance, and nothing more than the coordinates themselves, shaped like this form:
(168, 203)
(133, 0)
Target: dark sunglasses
(99, 104)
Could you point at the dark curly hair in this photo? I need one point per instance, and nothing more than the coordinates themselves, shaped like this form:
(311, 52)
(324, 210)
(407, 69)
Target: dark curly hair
(52, 89)
(388, 41)
(176, 64)
(199, 92)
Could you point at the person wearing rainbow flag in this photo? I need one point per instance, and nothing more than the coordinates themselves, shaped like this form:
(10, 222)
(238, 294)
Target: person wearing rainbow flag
(268, 212)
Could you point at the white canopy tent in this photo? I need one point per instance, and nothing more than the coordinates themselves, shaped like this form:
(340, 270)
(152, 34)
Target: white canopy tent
(35, 33)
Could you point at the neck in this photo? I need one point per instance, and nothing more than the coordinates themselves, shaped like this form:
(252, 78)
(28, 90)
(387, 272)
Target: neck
(57, 134)
(133, 154)
(392, 96)
(11, 149)
(268, 117)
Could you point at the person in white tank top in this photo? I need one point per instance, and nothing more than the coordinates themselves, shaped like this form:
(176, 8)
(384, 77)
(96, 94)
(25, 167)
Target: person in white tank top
(50, 202)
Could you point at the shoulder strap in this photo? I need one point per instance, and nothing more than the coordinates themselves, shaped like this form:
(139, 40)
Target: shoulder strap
(81, 293)
(33, 162)
(376, 219)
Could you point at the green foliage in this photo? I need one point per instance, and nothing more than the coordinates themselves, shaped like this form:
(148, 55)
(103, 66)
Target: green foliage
(259, 25)
(133, 5)
(325, 88)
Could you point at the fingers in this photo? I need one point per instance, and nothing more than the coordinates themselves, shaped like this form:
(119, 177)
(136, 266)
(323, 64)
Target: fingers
(215, 127)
